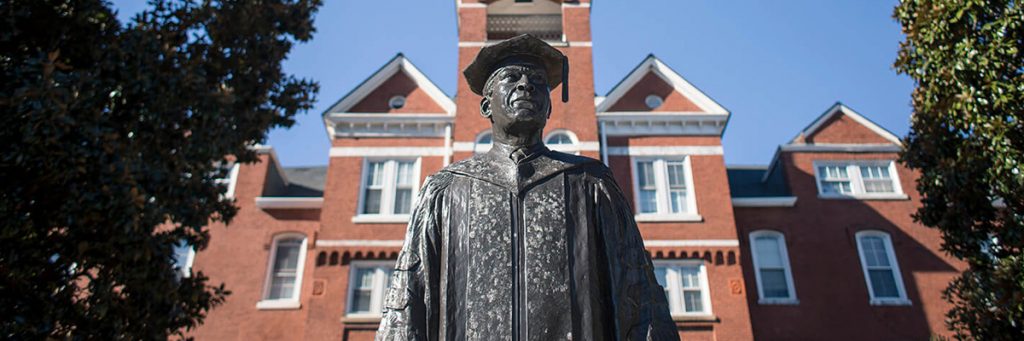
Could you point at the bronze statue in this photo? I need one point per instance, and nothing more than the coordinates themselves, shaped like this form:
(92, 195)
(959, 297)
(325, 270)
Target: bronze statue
(523, 243)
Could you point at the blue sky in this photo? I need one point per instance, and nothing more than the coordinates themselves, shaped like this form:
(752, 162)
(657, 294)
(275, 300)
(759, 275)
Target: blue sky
(776, 65)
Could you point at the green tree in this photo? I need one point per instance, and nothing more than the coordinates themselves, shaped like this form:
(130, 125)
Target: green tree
(115, 136)
(967, 140)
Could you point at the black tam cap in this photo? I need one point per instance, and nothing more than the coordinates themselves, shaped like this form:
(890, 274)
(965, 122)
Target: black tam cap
(523, 46)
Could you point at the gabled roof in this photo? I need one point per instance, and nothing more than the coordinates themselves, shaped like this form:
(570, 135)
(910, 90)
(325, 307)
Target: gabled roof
(681, 85)
(840, 108)
(398, 63)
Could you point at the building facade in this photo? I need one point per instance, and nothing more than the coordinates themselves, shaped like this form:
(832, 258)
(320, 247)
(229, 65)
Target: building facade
(819, 244)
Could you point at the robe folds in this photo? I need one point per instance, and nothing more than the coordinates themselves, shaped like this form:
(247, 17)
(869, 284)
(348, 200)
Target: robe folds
(541, 249)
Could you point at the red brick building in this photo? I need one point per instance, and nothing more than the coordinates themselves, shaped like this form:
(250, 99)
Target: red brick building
(819, 244)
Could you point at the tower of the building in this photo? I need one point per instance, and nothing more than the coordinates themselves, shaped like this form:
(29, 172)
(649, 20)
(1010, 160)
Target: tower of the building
(565, 25)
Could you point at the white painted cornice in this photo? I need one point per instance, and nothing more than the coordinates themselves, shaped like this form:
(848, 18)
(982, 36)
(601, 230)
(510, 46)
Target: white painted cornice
(662, 123)
(385, 125)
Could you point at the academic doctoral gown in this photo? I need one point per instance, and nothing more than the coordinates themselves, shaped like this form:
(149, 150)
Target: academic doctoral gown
(541, 249)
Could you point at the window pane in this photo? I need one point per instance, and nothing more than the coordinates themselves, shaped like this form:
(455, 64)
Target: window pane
(773, 282)
(282, 287)
(372, 205)
(559, 139)
(874, 172)
(878, 186)
(692, 301)
(883, 283)
(287, 256)
(361, 300)
(691, 277)
(768, 253)
(678, 201)
(833, 172)
(404, 176)
(364, 278)
(645, 173)
(648, 201)
(676, 175)
(403, 201)
(874, 251)
(836, 187)
(375, 174)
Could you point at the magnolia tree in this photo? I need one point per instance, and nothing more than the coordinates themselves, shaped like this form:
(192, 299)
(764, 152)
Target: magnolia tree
(967, 140)
(115, 137)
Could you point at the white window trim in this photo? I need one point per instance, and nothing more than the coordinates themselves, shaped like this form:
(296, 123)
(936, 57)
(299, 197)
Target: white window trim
(661, 185)
(897, 273)
(379, 288)
(785, 266)
(387, 194)
(283, 303)
(675, 301)
(857, 181)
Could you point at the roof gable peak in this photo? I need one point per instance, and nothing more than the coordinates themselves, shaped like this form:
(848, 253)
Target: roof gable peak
(841, 109)
(398, 63)
(651, 64)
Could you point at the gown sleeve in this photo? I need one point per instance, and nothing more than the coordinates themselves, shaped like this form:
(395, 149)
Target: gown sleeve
(641, 309)
(411, 304)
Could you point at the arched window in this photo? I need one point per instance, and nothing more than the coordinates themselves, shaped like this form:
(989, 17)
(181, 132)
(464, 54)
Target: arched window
(559, 138)
(483, 142)
(771, 268)
(284, 272)
(562, 140)
(881, 271)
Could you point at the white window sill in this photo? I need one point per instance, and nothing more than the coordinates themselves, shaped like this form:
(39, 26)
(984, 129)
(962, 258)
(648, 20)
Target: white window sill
(361, 318)
(889, 301)
(278, 305)
(872, 196)
(694, 318)
(778, 301)
(651, 218)
(380, 218)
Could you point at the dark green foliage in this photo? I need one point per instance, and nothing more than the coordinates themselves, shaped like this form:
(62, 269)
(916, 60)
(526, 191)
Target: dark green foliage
(967, 140)
(112, 139)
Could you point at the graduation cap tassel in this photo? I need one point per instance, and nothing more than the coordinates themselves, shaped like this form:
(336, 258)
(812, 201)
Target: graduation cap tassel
(565, 79)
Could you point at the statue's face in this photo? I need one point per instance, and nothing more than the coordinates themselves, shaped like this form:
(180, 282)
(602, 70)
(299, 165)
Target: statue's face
(516, 98)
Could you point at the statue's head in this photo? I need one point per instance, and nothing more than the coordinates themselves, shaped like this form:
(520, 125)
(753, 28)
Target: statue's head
(515, 78)
(515, 96)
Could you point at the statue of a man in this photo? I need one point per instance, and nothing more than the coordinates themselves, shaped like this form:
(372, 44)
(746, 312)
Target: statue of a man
(523, 243)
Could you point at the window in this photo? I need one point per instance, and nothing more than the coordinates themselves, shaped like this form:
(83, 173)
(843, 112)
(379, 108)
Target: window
(483, 142)
(858, 179)
(388, 187)
(686, 286)
(559, 138)
(396, 102)
(368, 283)
(284, 272)
(184, 255)
(881, 272)
(663, 190)
(771, 268)
(653, 101)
